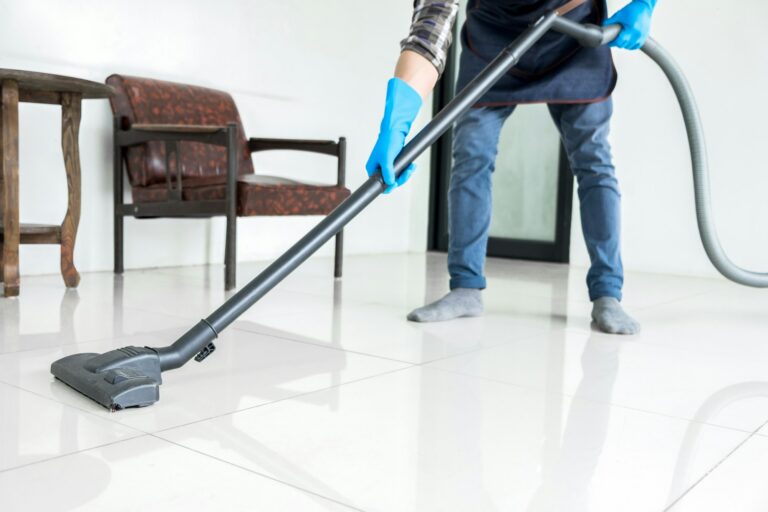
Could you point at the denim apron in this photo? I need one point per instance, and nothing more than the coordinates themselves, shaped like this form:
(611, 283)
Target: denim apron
(556, 70)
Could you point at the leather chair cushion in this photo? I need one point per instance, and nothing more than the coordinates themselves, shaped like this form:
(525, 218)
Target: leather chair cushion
(256, 195)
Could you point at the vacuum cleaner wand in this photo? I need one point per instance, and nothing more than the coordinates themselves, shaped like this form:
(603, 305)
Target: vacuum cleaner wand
(131, 376)
(203, 333)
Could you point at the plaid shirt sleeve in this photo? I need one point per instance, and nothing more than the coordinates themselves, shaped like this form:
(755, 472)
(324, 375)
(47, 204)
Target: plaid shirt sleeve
(431, 30)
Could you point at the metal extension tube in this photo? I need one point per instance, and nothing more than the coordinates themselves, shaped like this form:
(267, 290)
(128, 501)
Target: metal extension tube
(588, 35)
(131, 376)
(206, 331)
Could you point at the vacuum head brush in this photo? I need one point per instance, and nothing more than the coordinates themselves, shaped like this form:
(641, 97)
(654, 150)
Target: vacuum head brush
(130, 376)
(122, 378)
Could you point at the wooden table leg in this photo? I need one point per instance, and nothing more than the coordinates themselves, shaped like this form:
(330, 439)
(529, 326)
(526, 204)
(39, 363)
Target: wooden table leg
(9, 135)
(2, 187)
(70, 130)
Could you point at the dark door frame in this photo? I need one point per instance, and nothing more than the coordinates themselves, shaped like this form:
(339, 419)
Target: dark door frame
(437, 239)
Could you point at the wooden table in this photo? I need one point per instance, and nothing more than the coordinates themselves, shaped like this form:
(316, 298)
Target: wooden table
(27, 86)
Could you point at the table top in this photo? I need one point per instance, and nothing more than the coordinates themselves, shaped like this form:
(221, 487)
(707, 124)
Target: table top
(32, 81)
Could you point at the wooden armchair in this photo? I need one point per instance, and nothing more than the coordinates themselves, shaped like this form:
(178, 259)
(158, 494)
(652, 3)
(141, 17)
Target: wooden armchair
(186, 155)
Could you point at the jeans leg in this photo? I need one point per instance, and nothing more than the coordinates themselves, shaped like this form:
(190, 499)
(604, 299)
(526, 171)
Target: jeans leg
(584, 130)
(475, 145)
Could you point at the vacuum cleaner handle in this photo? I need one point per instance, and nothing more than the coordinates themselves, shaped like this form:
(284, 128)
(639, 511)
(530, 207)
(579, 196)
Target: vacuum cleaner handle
(610, 33)
(198, 340)
(587, 34)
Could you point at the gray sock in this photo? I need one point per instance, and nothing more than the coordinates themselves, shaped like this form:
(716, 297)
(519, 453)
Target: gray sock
(611, 318)
(459, 303)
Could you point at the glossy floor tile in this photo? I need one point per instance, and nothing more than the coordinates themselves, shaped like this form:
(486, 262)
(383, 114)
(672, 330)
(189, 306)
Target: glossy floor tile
(148, 474)
(46, 315)
(727, 388)
(382, 331)
(421, 439)
(247, 370)
(179, 296)
(33, 428)
(736, 485)
(413, 279)
(406, 276)
(323, 397)
(731, 321)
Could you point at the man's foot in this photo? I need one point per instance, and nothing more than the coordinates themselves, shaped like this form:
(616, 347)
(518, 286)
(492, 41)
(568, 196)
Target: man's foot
(459, 303)
(611, 318)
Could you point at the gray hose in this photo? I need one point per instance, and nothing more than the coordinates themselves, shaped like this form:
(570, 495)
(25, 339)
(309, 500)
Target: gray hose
(700, 164)
(594, 36)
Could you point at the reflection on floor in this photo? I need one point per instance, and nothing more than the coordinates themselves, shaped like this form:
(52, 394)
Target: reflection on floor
(322, 397)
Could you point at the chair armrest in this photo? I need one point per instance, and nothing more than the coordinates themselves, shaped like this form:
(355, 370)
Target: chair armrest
(325, 147)
(177, 128)
(142, 133)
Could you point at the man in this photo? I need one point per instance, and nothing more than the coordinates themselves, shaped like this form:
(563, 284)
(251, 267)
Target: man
(575, 82)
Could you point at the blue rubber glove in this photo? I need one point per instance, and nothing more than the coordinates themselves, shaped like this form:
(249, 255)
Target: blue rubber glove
(635, 17)
(402, 107)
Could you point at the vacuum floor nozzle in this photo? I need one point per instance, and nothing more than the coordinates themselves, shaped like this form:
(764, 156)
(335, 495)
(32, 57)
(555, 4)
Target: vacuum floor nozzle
(122, 378)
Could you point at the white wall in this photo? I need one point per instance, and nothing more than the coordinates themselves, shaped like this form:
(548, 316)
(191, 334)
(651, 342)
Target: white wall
(306, 68)
(297, 68)
(719, 45)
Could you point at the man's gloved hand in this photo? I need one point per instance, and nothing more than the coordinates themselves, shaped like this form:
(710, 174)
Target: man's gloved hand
(402, 107)
(635, 17)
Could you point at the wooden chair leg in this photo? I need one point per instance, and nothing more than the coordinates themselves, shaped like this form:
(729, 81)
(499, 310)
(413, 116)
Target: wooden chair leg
(70, 130)
(2, 194)
(338, 255)
(119, 243)
(9, 169)
(230, 254)
(117, 199)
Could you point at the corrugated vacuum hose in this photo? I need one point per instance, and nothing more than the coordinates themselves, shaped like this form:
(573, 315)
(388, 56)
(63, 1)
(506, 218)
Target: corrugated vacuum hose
(700, 166)
(593, 36)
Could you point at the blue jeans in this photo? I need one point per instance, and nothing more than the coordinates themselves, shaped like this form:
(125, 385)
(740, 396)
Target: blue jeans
(584, 131)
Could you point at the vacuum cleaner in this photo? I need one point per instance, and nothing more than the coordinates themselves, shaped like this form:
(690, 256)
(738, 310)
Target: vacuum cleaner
(131, 376)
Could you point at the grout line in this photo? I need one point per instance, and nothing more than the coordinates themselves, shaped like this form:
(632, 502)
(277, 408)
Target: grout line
(63, 455)
(235, 327)
(111, 337)
(375, 302)
(714, 468)
(141, 432)
(320, 345)
(279, 400)
(496, 345)
(81, 409)
(150, 432)
(163, 440)
(409, 364)
(589, 400)
(672, 301)
(254, 472)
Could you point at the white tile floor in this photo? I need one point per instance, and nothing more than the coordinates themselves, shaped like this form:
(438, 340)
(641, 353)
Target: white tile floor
(323, 397)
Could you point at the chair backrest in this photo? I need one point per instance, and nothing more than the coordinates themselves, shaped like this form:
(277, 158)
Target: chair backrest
(147, 101)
